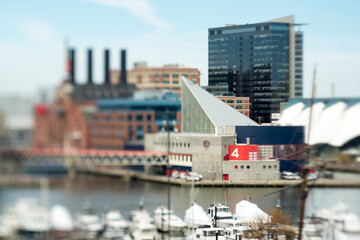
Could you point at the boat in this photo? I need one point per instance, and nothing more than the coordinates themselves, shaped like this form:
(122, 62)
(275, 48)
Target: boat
(33, 219)
(5, 231)
(235, 233)
(144, 231)
(230, 223)
(218, 212)
(290, 175)
(210, 233)
(88, 222)
(165, 218)
(61, 219)
(338, 222)
(140, 215)
(248, 212)
(114, 220)
(196, 217)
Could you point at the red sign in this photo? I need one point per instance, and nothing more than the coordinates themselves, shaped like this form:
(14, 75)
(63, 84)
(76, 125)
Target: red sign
(243, 152)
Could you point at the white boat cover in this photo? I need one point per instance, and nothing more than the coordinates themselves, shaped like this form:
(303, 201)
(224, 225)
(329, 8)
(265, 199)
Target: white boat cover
(250, 212)
(341, 213)
(195, 215)
(60, 218)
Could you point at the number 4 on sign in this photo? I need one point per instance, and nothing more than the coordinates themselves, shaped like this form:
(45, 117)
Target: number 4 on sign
(235, 153)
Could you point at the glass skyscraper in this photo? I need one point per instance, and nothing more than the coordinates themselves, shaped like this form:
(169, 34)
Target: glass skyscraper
(262, 61)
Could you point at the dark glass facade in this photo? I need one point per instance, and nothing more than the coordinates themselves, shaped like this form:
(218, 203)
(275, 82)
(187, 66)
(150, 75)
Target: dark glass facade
(253, 60)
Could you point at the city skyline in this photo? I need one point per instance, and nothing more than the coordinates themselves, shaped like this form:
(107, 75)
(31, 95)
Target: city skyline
(161, 32)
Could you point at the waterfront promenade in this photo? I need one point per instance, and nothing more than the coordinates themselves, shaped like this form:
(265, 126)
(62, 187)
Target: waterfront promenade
(322, 182)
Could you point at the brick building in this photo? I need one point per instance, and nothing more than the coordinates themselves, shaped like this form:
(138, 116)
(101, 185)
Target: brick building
(167, 77)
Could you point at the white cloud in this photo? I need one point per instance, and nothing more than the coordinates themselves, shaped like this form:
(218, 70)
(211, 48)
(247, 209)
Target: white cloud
(38, 31)
(141, 9)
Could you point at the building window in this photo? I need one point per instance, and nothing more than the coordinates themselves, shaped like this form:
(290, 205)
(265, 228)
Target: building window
(238, 101)
(230, 101)
(166, 75)
(139, 118)
(175, 75)
(175, 82)
(193, 76)
(248, 167)
(239, 107)
(185, 75)
(130, 118)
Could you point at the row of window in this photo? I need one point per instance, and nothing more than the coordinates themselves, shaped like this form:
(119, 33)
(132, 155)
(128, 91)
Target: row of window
(138, 117)
(181, 158)
(173, 144)
(167, 82)
(193, 76)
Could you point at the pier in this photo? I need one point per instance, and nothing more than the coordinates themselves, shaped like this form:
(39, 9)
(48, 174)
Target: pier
(319, 183)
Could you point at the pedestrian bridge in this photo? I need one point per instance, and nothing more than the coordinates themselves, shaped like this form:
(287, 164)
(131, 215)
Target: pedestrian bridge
(84, 157)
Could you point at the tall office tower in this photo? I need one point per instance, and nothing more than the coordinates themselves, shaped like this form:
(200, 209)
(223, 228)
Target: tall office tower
(262, 61)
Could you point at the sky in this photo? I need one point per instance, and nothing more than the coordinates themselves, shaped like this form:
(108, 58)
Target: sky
(34, 35)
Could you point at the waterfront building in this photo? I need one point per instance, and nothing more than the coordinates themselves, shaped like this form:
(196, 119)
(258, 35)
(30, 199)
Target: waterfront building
(208, 134)
(262, 61)
(16, 122)
(167, 77)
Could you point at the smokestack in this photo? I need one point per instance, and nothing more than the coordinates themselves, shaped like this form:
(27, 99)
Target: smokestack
(107, 66)
(89, 62)
(123, 78)
(72, 66)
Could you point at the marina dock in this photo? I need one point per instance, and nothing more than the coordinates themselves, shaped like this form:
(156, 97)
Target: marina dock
(319, 183)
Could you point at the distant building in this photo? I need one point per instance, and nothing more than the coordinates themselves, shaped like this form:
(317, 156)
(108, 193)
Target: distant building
(262, 61)
(334, 124)
(16, 121)
(122, 123)
(241, 104)
(167, 77)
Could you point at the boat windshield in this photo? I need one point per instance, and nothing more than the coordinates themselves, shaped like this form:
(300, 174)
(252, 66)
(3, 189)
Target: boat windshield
(222, 209)
(212, 233)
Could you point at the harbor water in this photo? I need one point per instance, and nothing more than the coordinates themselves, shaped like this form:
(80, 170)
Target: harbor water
(124, 195)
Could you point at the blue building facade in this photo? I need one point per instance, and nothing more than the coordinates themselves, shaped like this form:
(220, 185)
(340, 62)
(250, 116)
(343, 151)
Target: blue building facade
(286, 143)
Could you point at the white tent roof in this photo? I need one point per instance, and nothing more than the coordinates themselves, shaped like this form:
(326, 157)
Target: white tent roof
(334, 121)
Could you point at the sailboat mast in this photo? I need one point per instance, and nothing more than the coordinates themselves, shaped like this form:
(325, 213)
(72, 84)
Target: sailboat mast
(305, 172)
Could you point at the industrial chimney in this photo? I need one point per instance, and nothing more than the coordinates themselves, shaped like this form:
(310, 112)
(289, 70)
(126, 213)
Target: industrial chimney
(107, 66)
(123, 77)
(72, 66)
(89, 68)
